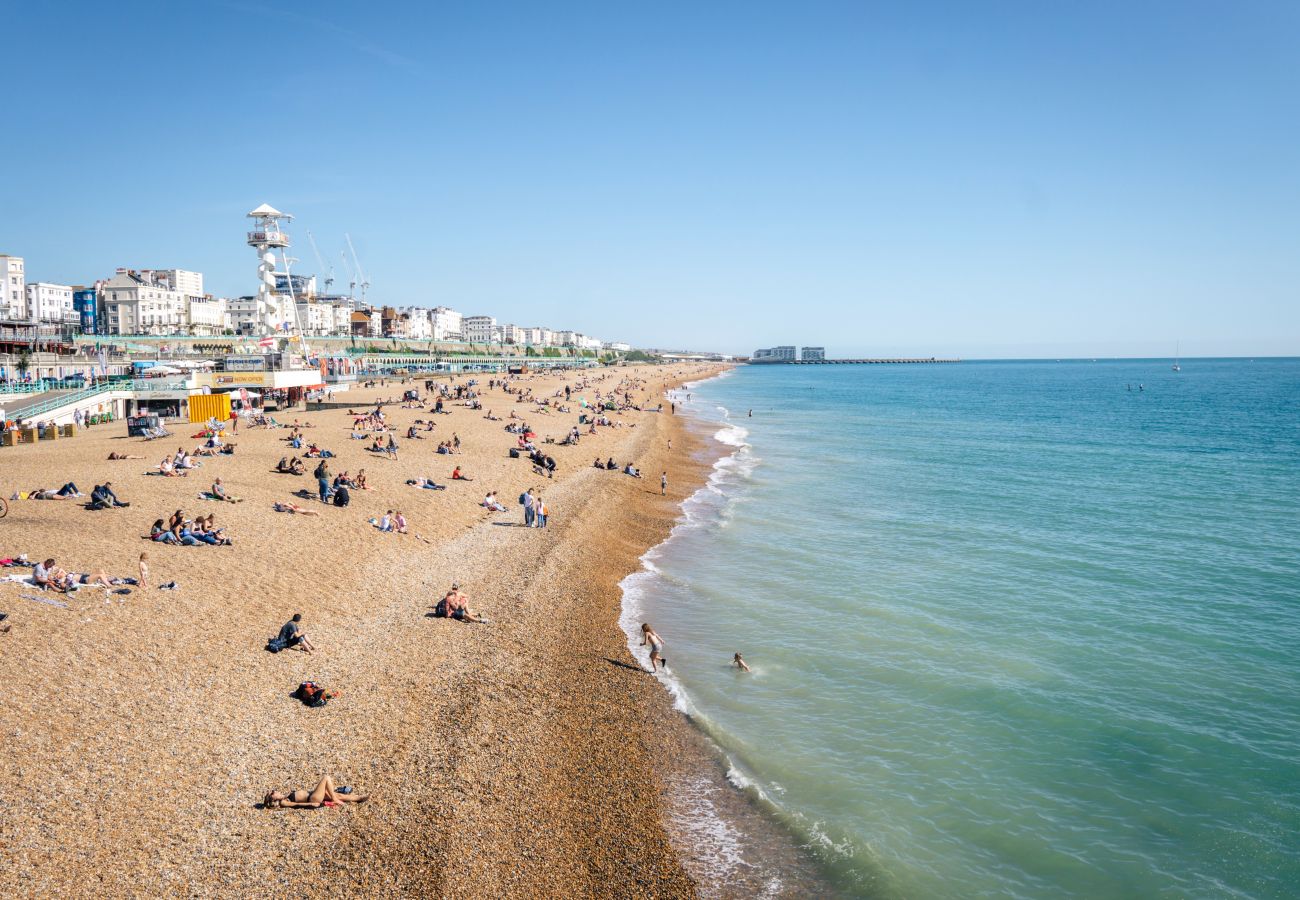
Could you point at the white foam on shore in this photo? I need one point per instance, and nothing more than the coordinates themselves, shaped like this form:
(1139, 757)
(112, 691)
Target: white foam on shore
(717, 857)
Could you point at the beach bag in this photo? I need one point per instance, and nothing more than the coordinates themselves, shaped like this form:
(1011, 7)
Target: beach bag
(440, 611)
(276, 644)
(514, 453)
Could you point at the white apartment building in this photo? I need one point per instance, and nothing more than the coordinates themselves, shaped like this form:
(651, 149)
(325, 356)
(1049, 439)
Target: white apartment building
(418, 326)
(49, 302)
(342, 318)
(588, 343)
(616, 346)
(513, 334)
(206, 315)
(188, 283)
(13, 287)
(479, 329)
(566, 338)
(446, 324)
(143, 302)
(537, 337)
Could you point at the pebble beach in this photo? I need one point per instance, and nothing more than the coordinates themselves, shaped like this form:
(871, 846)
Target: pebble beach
(516, 758)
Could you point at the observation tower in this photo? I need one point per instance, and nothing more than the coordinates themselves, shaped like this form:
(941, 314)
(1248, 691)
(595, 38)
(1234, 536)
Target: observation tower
(266, 237)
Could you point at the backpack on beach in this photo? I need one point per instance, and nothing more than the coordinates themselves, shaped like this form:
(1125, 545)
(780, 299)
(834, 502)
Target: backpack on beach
(276, 644)
(311, 694)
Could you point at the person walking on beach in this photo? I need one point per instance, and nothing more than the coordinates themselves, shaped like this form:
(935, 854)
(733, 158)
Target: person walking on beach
(648, 636)
(663, 484)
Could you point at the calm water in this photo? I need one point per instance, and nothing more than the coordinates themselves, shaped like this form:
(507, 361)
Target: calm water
(1016, 631)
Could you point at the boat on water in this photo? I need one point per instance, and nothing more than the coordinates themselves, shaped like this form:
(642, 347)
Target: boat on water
(1178, 352)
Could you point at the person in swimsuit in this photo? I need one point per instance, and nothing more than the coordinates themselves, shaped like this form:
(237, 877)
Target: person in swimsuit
(740, 663)
(648, 636)
(324, 794)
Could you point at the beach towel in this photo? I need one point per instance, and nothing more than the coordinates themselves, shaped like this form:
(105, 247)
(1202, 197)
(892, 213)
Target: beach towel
(48, 600)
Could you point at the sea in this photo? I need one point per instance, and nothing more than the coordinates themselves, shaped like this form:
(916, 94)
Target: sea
(1017, 629)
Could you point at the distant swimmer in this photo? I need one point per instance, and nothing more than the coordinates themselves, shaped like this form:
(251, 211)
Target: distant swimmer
(740, 663)
(751, 414)
(1142, 387)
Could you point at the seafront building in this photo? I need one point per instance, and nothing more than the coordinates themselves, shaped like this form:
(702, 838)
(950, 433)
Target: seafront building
(775, 354)
(812, 353)
(161, 302)
(13, 287)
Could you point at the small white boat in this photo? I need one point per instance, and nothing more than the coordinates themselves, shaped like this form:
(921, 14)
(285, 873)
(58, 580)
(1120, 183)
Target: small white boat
(1177, 353)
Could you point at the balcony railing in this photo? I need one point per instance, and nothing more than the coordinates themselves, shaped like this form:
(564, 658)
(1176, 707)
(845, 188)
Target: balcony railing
(274, 238)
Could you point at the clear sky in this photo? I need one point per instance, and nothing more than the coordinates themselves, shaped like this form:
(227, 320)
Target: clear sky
(998, 179)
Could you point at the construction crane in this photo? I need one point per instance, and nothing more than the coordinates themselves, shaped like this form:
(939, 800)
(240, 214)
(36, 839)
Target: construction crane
(352, 279)
(329, 278)
(365, 285)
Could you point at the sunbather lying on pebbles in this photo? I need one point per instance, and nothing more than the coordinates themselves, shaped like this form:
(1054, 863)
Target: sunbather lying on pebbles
(324, 794)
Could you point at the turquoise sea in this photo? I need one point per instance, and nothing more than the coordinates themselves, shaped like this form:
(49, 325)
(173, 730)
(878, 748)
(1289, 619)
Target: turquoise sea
(1018, 629)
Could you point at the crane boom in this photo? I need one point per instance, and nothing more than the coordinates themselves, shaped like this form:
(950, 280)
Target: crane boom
(329, 275)
(360, 274)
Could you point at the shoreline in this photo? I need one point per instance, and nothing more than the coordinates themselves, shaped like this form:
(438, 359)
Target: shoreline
(724, 830)
(517, 758)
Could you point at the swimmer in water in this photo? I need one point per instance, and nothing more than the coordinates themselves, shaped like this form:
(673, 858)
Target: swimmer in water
(740, 663)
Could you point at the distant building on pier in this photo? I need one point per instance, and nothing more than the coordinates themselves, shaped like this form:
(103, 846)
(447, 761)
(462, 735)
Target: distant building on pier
(812, 353)
(774, 354)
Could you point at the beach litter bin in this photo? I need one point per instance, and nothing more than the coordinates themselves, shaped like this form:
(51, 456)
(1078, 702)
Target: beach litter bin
(49, 432)
(67, 431)
(8, 438)
(27, 435)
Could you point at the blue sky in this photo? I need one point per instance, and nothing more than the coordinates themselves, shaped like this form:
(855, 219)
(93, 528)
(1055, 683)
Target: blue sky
(997, 179)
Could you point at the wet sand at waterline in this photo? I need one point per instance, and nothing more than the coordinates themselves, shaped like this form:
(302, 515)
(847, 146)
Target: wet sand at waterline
(516, 758)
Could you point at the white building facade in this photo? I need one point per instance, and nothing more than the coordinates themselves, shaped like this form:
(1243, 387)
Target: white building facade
(13, 287)
(49, 302)
(479, 329)
(446, 324)
(143, 302)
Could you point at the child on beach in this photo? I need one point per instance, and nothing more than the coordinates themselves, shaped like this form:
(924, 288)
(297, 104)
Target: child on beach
(648, 636)
(144, 571)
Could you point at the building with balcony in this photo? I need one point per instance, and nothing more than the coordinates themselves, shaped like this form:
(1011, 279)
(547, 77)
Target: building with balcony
(446, 324)
(144, 302)
(775, 354)
(49, 303)
(812, 353)
(206, 315)
(479, 329)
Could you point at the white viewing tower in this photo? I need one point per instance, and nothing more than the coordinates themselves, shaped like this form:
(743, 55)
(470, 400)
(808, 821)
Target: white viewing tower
(275, 311)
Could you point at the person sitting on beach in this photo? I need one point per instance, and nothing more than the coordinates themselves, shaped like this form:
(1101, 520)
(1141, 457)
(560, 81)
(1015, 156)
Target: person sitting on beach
(294, 508)
(342, 496)
(360, 483)
(455, 605)
(458, 475)
(219, 492)
(492, 503)
(161, 534)
(385, 523)
(102, 497)
(115, 455)
(611, 465)
(656, 643)
(598, 463)
(411, 433)
(292, 635)
(282, 466)
(740, 663)
(426, 483)
(630, 469)
(297, 467)
(47, 576)
(168, 468)
(399, 522)
(324, 794)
